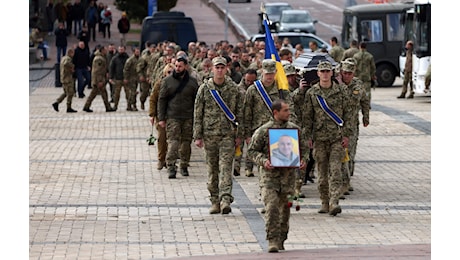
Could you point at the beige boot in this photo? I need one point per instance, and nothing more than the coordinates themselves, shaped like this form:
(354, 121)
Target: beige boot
(335, 208)
(273, 246)
(215, 208)
(324, 208)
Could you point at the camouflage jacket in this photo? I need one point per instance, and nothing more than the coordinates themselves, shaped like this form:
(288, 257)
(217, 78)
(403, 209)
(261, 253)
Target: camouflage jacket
(256, 113)
(99, 69)
(317, 125)
(129, 70)
(209, 119)
(349, 53)
(365, 66)
(66, 69)
(358, 101)
(141, 66)
(337, 53)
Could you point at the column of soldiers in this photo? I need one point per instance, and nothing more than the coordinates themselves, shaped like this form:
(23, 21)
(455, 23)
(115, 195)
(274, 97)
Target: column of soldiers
(162, 71)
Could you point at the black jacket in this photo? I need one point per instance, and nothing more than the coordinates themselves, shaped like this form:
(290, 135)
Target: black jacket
(116, 66)
(81, 58)
(61, 37)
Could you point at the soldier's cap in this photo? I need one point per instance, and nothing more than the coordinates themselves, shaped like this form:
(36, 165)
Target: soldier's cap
(348, 65)
(268, 66)
(219, 60)
(324, 65)
(289, 69)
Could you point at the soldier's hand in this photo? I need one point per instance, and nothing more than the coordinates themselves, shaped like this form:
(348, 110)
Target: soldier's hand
(303, 165)
(237, 141)
(152, 120)
(303, 83)
(345, 142)
(142, 79)
(125, 81)
(248, 140)
(199, 143)
(162, 124)
(310, 143)
(268, 165)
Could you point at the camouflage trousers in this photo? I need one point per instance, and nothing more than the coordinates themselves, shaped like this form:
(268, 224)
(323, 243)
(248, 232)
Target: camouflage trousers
(219, 153)
(328, 156)
(117, 92)
(145, 92)
(132, 87)
(407, 81)
(161, 142)
(179, 138)
(238, 159)
(69, 92)
(367, 86)
(352, 146)
(276, 187)
(94, 92)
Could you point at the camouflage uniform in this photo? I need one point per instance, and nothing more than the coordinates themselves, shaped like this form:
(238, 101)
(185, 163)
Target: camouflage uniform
(327, 137)
(358, 100)
(276, 185)
(161, 140)
(238, 157)
(116, 67)
(336, 53)
(68, 81)
(349, 53)
(176, 108)
(365, 69)
(130, 74)
(256, 112)
(218, 135)
(407, 76)
(141, 69)
(98, 81)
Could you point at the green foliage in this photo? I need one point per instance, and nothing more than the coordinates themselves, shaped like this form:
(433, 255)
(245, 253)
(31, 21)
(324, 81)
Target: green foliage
(138, 9)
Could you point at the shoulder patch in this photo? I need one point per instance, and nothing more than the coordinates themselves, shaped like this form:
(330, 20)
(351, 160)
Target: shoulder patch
(356, 92)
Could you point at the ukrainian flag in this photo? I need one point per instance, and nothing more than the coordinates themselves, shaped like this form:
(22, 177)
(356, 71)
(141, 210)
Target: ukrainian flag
(272, 53)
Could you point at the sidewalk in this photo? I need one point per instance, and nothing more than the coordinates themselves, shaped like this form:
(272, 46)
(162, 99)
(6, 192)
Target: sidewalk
(94, 191)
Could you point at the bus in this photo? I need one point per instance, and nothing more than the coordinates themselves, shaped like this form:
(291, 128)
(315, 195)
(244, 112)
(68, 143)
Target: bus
(422, 44)
(408, 22)
(380, 26)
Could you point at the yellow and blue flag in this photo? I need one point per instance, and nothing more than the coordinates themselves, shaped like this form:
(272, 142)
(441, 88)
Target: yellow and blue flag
(272, 53)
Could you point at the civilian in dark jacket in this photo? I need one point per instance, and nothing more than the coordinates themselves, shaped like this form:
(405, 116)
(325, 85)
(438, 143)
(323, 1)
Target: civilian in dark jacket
(123, 28)
(82, 68)
(78, 14)
(61, 41)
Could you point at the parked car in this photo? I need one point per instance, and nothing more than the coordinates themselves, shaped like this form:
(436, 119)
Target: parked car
(307, 63)
(273, 11)
(296, 21)
(295, 38)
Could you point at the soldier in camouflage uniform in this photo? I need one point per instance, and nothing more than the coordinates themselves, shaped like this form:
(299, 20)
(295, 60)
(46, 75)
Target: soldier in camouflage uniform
(153, 113)
(358, 100)
(67, 69)
(175, 113)
(130, 76)
(350, 52)
(218, 135)
(141, 70)
(408, 72)
(116, 77)
(256, 112)
(277, 183)
(248, 80)
(336, 51)
(99, 80)
(365, 68)
(324, 135)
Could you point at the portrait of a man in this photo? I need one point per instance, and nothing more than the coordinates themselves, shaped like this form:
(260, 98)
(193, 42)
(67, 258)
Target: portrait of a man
(284, 151)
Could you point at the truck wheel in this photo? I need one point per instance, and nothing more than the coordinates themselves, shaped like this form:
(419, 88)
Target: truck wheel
(386, 75)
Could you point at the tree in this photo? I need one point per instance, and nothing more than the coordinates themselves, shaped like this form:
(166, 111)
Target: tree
(137, 9)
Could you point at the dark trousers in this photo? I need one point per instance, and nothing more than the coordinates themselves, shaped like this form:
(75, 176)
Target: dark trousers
(61, 50)
(92, 31)
(84, 79)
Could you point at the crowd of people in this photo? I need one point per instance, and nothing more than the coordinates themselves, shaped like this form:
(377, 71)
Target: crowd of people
(224, 98)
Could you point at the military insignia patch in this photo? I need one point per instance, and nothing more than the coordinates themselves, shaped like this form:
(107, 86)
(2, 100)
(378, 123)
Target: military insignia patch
(356, 92)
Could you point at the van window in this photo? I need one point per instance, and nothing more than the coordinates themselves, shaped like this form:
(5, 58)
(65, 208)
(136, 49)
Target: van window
(371, 30)
(395, 28)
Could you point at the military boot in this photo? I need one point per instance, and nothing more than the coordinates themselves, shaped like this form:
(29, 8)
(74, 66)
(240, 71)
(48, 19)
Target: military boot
(281, 244)
(225, 207)
(171, 171)
(249, 173)
(273, 246)
(324, 208)
(215, 208)
(184, 171)
(334, 208)
(134, 108)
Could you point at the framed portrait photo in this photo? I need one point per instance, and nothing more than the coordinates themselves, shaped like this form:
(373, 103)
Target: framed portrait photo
(284, 147)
